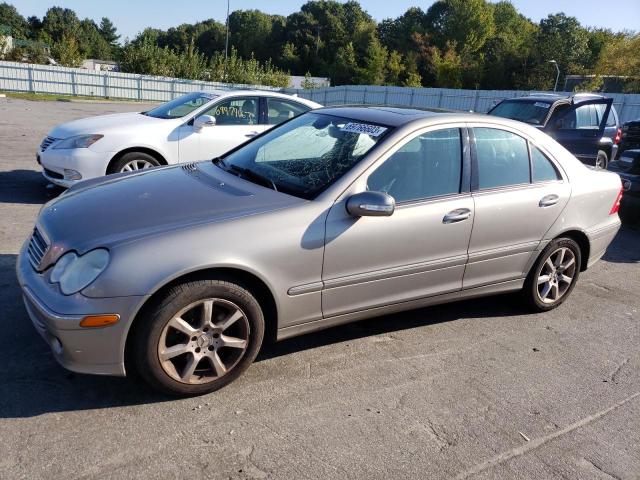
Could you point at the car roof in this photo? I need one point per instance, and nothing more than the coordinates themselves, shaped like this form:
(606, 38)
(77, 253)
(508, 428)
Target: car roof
(554, 97)
(390, 116)
(262, 93)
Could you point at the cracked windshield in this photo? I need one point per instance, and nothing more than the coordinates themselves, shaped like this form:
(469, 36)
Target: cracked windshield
(306, 155)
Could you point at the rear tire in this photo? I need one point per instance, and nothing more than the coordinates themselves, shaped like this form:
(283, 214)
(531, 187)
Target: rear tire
(199, 337)
(133, 161)
(554, 275)
(602, 160)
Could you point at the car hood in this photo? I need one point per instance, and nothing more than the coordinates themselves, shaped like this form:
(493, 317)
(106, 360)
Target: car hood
(128, 207)
(104, 123)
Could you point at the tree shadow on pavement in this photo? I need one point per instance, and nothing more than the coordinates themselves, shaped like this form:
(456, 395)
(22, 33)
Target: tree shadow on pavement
(26, 186)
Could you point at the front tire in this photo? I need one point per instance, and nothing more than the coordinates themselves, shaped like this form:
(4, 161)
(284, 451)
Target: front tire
(133, 161)
(199, 337)
(553, 276)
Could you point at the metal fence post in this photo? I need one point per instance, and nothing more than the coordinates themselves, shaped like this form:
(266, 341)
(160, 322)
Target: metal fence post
(325, 96)
(106, 85)
(345, 95)
(173, 89)
(475, 102)
(74, 90)
(30, 77)
(411, 99)
(140, 88)
(364, 95)
(386, 94)
(440, 95)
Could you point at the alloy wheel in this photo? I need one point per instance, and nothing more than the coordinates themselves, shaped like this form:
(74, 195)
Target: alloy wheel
(134, 165)
(204, 341)
(556, 275)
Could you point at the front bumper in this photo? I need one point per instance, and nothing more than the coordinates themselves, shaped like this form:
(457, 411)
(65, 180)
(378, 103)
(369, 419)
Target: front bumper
(56, 317)
(88, 163)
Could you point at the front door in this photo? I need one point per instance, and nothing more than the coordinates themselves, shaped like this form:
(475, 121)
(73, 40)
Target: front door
(518, 194)
(237, 121)
(421, 249)
(581, 128)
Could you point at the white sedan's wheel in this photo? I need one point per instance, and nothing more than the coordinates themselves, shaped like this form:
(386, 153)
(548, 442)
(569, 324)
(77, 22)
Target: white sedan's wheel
(134, 165)
(132, 162)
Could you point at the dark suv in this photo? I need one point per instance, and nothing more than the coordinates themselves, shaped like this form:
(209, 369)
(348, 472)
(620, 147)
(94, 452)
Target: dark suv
(630, 136)
(585, 124)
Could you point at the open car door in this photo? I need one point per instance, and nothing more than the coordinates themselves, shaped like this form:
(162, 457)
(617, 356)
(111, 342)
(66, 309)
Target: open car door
(580, 128)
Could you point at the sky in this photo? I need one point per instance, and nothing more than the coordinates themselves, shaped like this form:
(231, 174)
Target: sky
(132, 16)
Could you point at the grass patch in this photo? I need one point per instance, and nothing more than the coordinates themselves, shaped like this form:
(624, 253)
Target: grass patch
(52, 97)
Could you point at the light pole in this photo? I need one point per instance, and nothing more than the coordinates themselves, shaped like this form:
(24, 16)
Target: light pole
(555, 88)
(226, 45)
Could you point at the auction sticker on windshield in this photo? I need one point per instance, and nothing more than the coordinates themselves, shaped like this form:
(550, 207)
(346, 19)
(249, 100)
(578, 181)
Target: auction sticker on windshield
(541, 105)
(373, 130)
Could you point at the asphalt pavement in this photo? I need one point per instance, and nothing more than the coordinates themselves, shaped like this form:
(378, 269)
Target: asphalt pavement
(478, 389)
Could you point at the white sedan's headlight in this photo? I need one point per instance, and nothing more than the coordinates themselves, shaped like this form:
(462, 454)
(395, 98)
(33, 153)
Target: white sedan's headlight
(79, 141)
(74, 272)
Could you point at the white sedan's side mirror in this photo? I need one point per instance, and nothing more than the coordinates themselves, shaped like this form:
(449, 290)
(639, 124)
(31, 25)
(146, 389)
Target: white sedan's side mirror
(203, 121)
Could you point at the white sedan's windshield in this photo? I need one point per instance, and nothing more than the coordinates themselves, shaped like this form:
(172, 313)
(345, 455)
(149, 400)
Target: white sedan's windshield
(305, 155)
(181, 106)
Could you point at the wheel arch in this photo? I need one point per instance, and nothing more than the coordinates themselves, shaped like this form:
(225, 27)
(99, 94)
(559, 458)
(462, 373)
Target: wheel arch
(583, 242)
(247, 279)
(149, 151)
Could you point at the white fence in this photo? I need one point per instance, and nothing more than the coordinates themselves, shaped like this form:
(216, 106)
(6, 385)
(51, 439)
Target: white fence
(627, 105)
(22, 77)
(25, 77)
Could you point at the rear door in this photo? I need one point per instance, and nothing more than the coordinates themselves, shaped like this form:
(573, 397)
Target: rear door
(278, 110)
(581, 128)
(518, 193)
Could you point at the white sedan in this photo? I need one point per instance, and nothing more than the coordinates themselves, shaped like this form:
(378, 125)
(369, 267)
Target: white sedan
(196, 126)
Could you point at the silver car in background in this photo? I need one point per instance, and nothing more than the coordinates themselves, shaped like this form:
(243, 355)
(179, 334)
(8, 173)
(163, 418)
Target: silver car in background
(337, 215)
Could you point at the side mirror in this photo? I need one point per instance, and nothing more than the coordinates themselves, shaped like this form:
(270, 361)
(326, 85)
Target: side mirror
(371, 204)
(203, 121)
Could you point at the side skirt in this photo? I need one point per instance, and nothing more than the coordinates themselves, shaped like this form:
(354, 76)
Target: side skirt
(504, 287)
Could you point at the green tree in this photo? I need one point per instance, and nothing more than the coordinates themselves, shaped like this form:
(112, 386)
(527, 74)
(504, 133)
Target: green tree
(66, 51)
(345, 67)
(448, 67)
(466, 23)
(108, 31)
(508, 53)
(308, 83)
(10, 17)
(394, 68)
(375, 65)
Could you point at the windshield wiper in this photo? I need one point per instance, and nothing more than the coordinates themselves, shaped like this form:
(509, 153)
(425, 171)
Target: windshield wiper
(247, 173)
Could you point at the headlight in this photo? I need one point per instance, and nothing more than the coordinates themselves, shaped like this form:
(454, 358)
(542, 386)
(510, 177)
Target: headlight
(74, 273)
(79, 141)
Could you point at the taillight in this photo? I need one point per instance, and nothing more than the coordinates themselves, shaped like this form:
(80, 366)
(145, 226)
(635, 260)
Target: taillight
(618, 136)
(616, 204)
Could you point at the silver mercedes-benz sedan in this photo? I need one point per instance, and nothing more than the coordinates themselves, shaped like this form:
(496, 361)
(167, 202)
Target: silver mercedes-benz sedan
(337, 215)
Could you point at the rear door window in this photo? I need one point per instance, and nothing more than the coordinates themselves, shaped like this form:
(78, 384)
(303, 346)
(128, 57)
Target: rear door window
(279, 110)
(502, 157)
(542, 168)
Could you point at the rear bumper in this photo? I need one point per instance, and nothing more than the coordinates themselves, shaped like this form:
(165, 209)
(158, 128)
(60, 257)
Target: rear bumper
(600, 238)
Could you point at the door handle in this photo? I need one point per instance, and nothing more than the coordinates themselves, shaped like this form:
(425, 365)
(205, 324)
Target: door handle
(458, 215)
(549, 200)
(251, 134)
